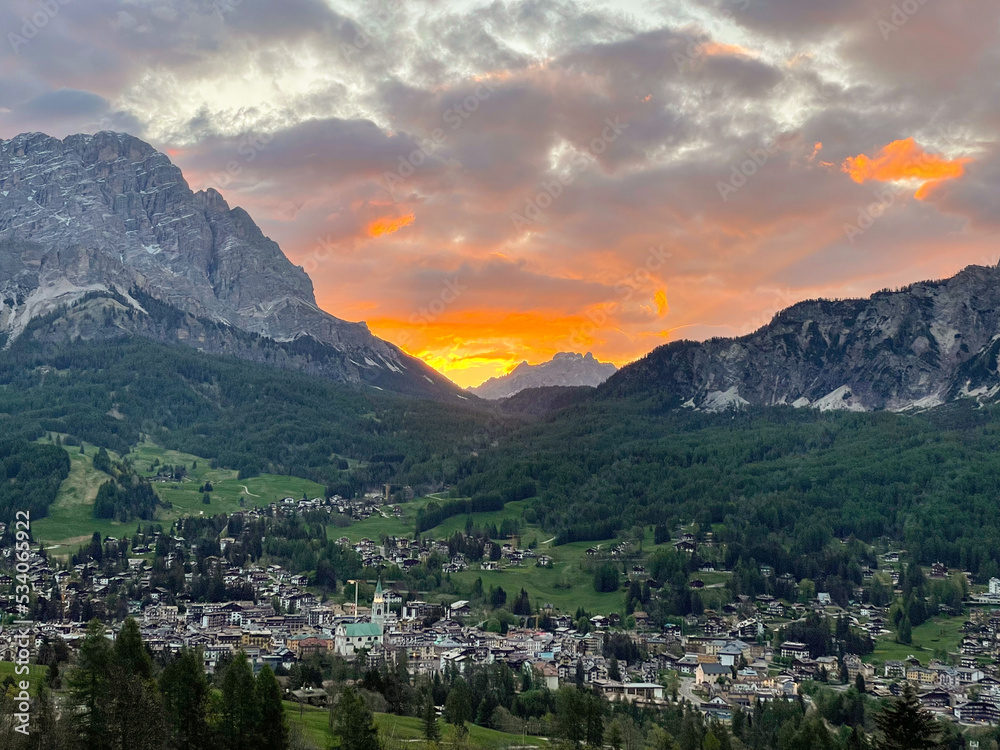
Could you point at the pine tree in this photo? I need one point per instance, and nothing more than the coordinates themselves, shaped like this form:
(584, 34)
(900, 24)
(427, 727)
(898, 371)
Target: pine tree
(595, 721)
(856, 741)
(458, 705)
(355, 723)
(186, 700)
(432, 732)
(130, 652)
(905, 634)
(135, 704)
(614, 673)
(44, 730)
(239, 707)
(905, 725)
(272, 731)
(90, 689)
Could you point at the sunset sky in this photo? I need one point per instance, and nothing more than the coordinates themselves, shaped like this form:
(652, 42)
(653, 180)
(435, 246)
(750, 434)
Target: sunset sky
(491, 182)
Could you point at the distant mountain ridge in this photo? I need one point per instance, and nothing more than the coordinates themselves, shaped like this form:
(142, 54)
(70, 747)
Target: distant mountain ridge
(922, 346)
(107, 213)
(564, 369)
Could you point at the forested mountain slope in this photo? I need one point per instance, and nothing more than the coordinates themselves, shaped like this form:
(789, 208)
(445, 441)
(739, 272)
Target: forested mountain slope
(776, 483)
(239, 414)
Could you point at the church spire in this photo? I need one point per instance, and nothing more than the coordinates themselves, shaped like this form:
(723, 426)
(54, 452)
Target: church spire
(378, 607)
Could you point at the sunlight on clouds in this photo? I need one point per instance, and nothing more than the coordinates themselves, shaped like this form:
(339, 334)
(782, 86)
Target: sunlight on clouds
(905, 161)
(662, 305)
(389, 225)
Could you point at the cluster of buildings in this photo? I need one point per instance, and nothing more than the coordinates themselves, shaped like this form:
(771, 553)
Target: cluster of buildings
(722, 661)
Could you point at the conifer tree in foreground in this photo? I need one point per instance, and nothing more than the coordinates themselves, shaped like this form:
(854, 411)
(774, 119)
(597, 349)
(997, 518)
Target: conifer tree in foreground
(239, 709)
(272, 731)
(905, 725)
(186, 699)
(432, 732)
(355, 724)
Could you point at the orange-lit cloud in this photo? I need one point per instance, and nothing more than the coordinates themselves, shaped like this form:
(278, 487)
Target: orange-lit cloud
(718, 49)
(662, 305)
(389, 225)
(905, 160)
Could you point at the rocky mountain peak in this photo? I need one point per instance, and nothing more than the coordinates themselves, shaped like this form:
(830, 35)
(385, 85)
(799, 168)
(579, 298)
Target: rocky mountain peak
(915, 347)
(108, 212)
(564, 369)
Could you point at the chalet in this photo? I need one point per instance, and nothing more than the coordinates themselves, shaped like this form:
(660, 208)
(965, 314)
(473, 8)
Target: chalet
(730, 654)
(975, 712)
(970, 675)
(937, 698)
(794, 650)
(895, 669)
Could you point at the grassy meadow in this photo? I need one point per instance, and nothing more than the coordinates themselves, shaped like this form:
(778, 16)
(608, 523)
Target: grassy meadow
(313, 723)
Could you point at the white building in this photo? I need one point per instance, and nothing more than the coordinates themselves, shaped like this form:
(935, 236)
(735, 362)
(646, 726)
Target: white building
(349, 638)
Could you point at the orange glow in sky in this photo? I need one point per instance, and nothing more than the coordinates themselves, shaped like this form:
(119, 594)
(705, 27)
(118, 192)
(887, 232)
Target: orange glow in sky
(662, 305)
(389, 225)
(905, 160)
(470, 346)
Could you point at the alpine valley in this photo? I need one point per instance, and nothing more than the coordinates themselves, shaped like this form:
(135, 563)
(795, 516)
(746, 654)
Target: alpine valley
(198, 444)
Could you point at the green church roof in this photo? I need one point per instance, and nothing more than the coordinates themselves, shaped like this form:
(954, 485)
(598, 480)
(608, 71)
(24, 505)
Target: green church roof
(362, 629)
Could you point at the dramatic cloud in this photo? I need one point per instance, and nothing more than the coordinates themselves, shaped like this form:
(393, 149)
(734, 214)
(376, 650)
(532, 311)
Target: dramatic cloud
(489, 181)
(905, 160)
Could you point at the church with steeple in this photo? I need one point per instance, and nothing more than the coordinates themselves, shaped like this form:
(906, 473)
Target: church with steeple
(379, 608)
(349, 638)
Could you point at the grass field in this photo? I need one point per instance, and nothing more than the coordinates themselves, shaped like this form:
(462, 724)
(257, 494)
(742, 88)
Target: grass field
(940, 633)
(36, 675)
(567, 585)
(70, 521)
(314, 724)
